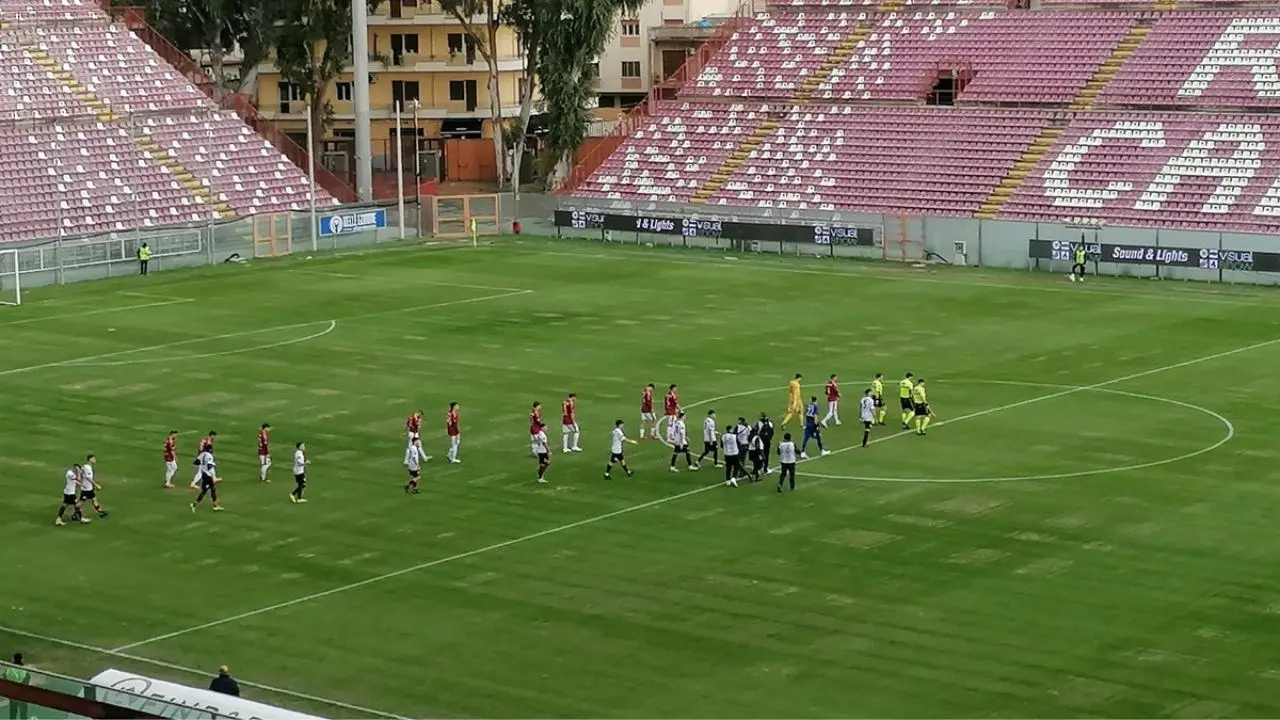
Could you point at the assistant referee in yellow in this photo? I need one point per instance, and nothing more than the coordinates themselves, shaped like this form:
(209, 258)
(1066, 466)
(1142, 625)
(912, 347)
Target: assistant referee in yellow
(904, 400)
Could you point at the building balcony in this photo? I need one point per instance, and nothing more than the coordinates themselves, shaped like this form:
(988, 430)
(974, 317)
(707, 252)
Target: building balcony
(421, 64)
(427, 13)
(344, 112)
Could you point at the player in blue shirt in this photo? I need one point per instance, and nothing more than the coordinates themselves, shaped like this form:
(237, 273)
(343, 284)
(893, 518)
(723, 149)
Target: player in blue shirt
(812, 429)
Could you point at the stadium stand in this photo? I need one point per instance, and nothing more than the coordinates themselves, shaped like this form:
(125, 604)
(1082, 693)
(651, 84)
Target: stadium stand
(1105, 115)
(104, 135)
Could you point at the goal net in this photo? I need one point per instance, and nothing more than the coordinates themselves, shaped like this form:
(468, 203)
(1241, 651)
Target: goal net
(10, 278)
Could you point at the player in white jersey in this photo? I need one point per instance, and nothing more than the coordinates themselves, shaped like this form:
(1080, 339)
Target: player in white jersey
(70, 483)
(89, 488)
(542, 451)
(414, 457)
(867, 414)
(729, 441)
(710, 439)
(300, 463)
(617, 440)
(680, 443)
(208, 479)
(787, 459)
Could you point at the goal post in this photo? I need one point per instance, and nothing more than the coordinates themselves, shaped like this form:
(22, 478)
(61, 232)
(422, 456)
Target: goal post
(10, 278)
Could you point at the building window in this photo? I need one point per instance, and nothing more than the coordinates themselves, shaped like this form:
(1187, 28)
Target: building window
(457, 90)
(404, 92)
(630, 68)
(290, 92)
(343, 91)
(462, 46)
(630, 27)
(401, 45)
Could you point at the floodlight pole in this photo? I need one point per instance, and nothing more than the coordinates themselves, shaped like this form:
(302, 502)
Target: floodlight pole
(417, 166)
(360, 99)
(311, 181)
(399, 170)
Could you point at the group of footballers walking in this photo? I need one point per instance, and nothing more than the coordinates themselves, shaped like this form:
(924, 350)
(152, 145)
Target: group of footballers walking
(740, 443)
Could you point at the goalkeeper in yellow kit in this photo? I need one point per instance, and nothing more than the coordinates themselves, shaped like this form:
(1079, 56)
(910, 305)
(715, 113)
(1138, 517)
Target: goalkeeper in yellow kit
(795, 406)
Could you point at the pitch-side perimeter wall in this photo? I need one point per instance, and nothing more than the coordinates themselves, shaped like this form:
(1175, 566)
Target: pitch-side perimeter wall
(1139, 252)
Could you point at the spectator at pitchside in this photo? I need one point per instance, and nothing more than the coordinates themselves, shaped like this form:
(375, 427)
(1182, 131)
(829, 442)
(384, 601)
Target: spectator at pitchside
(224, 683)
(17, 673)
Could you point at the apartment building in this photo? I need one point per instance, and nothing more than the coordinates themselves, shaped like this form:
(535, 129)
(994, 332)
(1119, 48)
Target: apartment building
(417, 52)
(631, 63)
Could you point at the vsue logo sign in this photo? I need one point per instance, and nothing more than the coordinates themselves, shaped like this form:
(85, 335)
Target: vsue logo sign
(353, 222)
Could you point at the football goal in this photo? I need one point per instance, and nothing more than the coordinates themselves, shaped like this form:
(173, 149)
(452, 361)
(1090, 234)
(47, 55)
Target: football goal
(10, 278)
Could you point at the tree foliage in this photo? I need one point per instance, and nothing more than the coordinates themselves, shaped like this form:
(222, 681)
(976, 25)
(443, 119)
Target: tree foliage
(312, 41)
(484, 37)
(214, 26)
(564, 38)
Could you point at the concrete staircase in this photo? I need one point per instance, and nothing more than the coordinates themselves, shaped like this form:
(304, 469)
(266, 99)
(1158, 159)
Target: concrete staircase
(1106, 72)
(1027, 162)
(165, 159)
(890, 6)
(734, 161)
(837, 58)
(1166, 5)
(77, 88)
(153, 149)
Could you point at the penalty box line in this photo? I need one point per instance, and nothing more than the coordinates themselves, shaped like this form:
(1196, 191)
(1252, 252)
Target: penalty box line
(664, 500)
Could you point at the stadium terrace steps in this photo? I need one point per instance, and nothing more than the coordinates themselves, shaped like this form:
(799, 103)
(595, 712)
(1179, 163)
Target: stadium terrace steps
(65, 76)
(834, 60)
(1009, 184)
(180, 172)
(1106, 72)
(1216, 172)
(734, 161)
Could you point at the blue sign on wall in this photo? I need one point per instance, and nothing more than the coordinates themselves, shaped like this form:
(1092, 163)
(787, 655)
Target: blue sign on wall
(352, 222)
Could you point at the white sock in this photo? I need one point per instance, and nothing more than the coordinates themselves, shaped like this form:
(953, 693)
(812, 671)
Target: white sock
(454, 442)
(262, 471)
(575, 439)
(169, 473)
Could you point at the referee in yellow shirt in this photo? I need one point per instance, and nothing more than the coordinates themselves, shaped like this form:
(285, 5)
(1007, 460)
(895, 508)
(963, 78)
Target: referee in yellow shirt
(921, 401)
(877, 394)
(904, 400)
(795, 406)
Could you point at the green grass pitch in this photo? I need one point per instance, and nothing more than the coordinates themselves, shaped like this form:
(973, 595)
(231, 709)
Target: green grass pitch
(1104, 543)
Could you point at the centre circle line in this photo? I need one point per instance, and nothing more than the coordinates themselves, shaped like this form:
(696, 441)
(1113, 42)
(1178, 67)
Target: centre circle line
(330, 326)
(1226, 423)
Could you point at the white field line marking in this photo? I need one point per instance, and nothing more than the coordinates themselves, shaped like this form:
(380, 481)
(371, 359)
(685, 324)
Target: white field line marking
(663, 500)
(99, 311)
(889, 276)
(225, 336)
(1226, 423)
(203, 356)
(153, 296)
(355, 709)
(353, 276)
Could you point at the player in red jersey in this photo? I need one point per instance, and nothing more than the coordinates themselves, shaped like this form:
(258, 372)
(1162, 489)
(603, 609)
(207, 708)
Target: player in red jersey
(648, 420)
(206, 446)
(671, 408)
(170, 458)
(569, 423)
(453, 430)
(264, 451)
(535, 425)
(833, 400)
(413, 426)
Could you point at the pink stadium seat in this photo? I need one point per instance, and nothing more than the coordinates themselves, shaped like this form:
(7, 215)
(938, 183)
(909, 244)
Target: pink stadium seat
(1210, 172)
(885, 159)
(84, 171)
(1203, 58)
(237, 165)
(675, 153)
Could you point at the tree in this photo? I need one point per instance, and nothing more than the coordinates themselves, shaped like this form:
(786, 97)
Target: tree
(213, 26)
(485, 39)
(527, 17)
(563, 38)
(312, 41)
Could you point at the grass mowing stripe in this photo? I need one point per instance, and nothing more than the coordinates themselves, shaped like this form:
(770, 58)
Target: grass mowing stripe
(667, 499)
(193, 671)
(99, 311)
(889, 274)
(208, 338)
